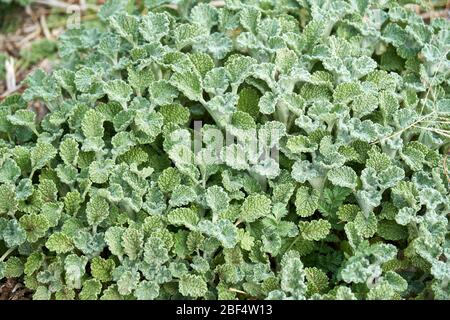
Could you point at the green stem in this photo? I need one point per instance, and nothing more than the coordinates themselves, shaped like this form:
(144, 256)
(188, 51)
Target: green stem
(290, 122)
(7, 253)
(169, 207)
(261, 179)
(157, 149)
(294, 242)
(318, 183)
(212, 114)
(282, 113)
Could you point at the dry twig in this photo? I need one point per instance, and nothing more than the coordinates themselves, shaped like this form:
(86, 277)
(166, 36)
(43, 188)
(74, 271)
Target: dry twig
(44, 27)
(67, 6)
(435, 14)
(214, 3)
(10, 75)
(445, 166)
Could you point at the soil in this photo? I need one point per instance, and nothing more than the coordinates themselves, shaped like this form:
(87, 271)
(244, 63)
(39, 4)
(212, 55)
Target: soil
(11, 289)
(22, 26)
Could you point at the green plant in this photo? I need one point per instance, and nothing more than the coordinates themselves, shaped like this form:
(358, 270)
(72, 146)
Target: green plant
(335, 189)
(21, 2)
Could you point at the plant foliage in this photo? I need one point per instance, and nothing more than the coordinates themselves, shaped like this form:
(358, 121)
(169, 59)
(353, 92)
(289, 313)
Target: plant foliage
(104, 198)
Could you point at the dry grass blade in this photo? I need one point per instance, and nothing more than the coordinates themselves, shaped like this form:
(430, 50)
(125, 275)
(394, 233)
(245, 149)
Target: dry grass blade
(10, 75)
(442, 132)
(435, 14)
(214, 3)
(237, 291)
(68, 6)
(425, 117)
(44, 27)
(445, 166)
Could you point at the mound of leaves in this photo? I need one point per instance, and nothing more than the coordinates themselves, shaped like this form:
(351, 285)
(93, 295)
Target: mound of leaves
(333, 186)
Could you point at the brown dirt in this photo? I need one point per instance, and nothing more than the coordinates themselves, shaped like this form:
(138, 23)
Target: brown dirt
(11, 289)
(33, 26)
(31, 29)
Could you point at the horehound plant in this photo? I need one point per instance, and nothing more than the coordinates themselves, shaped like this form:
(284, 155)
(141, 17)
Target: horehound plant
(319, 170)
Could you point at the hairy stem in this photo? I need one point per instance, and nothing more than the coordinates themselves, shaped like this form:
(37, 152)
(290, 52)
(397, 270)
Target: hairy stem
(7, 253)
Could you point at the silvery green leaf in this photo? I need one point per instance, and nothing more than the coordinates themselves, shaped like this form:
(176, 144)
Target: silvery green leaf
(254, 207)
(192, 285)
(343, 177)
(85, 79)
(238, 68)
(118, 90)
(41, 154)
(215, 44)
(67, 173)
(127, 282)
(250, 17)
(223, 230)
(293, 275)
(204, 15)
(235, 156)
(155, 251)
(189, 83)
(122, 142)
(268, 102)
(9, 171)
(75, 269)
(222, 107)
(182, 195)
(184, 217)
(66, 80)
(90, 245)
(306, 201)
(268, 168)
(25, 118)
(149, 123)
(97, 210)
(41, 86)
(303, 170)
(405, 216)
(301, 144)
(146, 290)
(154, 26)
(285, 60)
(266, 72)
(24, 189)
(13, 234)
(126, 26)
(186, 34)
(162, 92)
(110, 8)
(217, 199)
(216, 81)
(140, 79)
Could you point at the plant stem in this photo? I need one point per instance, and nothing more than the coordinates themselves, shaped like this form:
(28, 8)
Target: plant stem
(237, 291)
(6, 254)
(294, 242)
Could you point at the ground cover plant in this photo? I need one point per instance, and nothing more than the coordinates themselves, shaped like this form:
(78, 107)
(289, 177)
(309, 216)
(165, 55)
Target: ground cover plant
(28, 36)
(233, 150)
